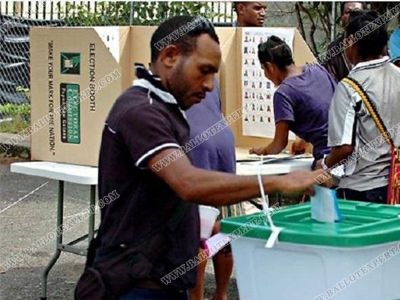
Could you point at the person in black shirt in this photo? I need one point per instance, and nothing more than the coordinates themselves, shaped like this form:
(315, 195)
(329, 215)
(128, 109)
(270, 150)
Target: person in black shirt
(143, 158)
(337, 64)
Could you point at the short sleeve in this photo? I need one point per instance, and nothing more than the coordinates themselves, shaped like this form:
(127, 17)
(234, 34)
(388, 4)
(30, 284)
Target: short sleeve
(147, 130)
(342, 117)
(283, 108)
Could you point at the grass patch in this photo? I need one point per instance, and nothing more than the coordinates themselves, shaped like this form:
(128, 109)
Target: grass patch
(20, 115)
(16, 125)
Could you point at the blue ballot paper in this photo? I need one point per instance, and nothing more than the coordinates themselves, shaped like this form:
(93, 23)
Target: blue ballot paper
(324, 205)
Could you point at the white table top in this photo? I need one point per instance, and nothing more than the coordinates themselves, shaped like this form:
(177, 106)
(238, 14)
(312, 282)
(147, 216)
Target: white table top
(57, 171)
(274, 168)
(89, 175)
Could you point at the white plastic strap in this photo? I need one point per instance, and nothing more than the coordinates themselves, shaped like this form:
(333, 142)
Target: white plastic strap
(267, 211)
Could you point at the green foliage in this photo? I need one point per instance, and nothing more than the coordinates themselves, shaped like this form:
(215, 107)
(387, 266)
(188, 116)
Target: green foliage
(13, 110)
(113, 13)
(144, 13)
(19, 114)
(16, 125)
(318, 15)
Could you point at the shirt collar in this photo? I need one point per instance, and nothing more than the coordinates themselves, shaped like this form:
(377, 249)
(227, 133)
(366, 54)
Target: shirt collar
(143, 73)
(154, 85)
(371, 64)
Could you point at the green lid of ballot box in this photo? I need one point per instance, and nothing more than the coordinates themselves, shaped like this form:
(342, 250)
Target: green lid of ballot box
(363, 224)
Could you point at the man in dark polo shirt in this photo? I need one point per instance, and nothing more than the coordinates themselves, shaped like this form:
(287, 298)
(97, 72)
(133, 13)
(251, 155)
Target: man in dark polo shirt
(337, 64)
(146, 124)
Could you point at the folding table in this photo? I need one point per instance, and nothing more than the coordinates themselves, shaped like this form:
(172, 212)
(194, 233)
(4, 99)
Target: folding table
(279, 167)
(63, 173)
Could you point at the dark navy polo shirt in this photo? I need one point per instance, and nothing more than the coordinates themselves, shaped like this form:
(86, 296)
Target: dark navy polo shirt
(140, 125)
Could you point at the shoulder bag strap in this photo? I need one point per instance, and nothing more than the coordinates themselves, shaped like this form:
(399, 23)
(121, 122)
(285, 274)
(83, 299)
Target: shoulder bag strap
(371, 108)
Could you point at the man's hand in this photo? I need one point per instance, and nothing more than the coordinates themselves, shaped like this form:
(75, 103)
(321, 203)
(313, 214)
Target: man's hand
(299, 147)
(258, 151)
(318, 164)
(298, 183)
(327, 179)
(219, 188)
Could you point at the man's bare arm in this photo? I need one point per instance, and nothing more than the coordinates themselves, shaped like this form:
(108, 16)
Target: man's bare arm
(338, 154)
(218, 188)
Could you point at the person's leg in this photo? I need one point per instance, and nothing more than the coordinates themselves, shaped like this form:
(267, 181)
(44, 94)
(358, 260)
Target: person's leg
(197, 293)
(223, 266)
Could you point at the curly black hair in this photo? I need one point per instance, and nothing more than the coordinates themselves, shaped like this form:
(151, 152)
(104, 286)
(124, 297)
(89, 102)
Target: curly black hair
(181, 31)
(276, 51)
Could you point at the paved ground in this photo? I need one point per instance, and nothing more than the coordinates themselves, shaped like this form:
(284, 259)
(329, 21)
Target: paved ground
(30, 219)
(6, 138)
(20, 149)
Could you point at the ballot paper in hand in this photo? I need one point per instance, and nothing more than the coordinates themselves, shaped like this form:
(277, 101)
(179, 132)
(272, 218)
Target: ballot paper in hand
(216, 243)
(324, 205)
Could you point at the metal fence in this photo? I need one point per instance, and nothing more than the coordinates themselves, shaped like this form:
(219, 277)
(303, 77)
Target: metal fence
(17, 17)
(56, 10)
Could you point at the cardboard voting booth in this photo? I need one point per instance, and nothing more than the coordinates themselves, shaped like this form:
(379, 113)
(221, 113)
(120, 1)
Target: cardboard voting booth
(231, 69)
(67, 65)
(82, 70)
(250, 90)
